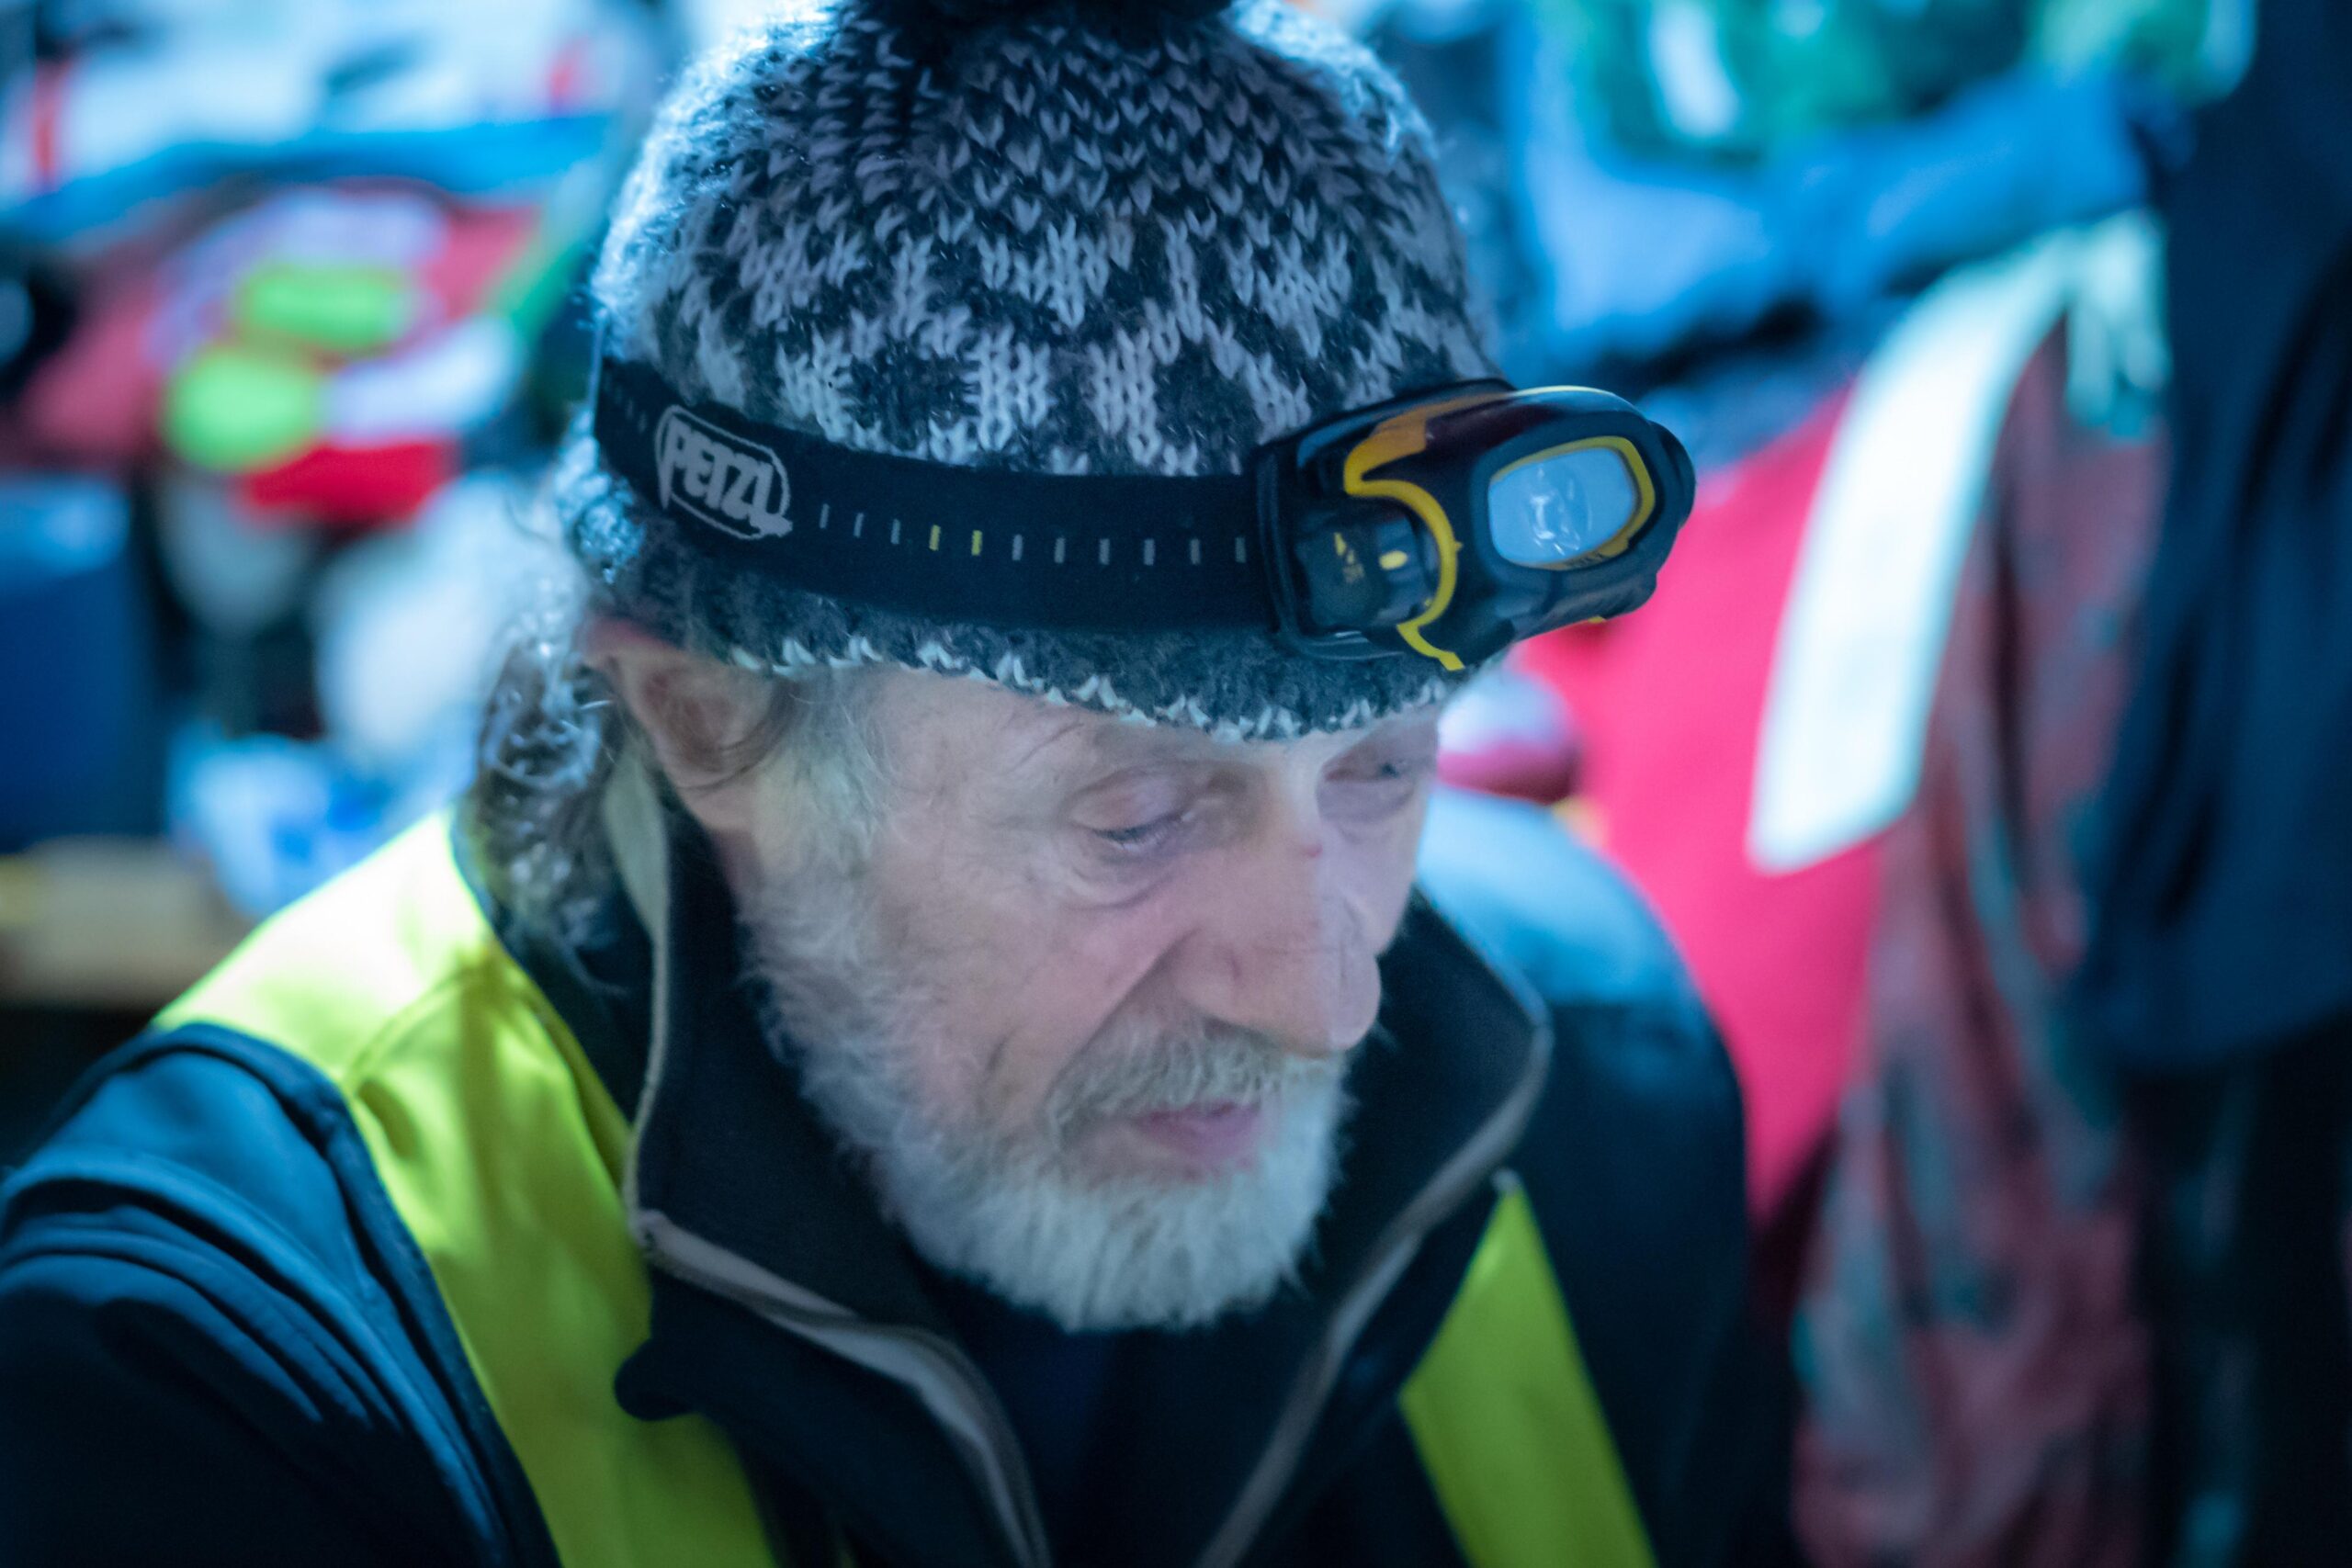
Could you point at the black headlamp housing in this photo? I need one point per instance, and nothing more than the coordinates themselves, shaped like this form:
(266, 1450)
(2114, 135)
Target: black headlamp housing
(1380, 533)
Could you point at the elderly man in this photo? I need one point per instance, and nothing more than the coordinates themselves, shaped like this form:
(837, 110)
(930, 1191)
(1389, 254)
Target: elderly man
(921, 1046)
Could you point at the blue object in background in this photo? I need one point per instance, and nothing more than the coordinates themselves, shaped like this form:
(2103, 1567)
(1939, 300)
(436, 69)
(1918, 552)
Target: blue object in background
(1544, 903)
(1636, 258)
(80, 749)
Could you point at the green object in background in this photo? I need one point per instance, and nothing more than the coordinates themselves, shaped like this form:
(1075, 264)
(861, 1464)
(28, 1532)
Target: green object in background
(1737, 82)
(232, 408)
(343, 308)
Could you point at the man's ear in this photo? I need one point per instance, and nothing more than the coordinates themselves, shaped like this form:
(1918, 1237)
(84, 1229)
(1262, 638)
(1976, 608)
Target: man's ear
(699, 714)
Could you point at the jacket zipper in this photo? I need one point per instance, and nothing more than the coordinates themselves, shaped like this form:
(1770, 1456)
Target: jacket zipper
(1472, 1163)
(941, 1378)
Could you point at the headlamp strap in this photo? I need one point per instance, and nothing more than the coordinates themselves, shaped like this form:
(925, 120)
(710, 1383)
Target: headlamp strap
(936, 540)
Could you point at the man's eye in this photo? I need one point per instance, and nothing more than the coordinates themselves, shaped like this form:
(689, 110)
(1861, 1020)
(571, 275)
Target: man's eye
(1139, 816)
(1389, 771)
(1142, 836)
(1377, 787)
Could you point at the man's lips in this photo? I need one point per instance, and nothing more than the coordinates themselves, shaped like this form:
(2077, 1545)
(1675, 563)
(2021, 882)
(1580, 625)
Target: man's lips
(1208, 1136)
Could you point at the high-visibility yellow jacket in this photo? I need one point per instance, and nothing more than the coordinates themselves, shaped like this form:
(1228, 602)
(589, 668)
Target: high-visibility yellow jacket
(408, 1237)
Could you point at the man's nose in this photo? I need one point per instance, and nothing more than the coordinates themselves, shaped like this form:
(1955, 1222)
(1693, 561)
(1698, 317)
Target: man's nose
(1286, 952)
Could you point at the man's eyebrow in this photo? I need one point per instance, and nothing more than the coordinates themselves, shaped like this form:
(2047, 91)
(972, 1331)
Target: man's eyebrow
(1086, 744)
(1116, 743)
(1049, 738)
(1131, 743)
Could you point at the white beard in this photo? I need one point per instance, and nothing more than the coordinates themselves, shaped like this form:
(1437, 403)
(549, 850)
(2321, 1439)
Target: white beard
(1011, 1210)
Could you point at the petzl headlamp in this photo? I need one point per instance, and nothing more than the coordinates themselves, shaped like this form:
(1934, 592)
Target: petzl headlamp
(1452, 526)
(1441, 526)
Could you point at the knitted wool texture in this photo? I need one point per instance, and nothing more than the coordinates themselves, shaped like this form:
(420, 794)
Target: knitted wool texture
(1065, 241)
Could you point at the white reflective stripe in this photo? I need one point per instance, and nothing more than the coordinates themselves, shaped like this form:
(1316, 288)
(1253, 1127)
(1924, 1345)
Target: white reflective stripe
(914, 1361)
(640, 845)
(961, 1404)
(1474, 1162)
(1862, 636)
(633, 828)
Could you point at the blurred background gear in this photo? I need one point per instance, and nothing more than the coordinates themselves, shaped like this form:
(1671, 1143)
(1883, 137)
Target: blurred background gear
(285, 333)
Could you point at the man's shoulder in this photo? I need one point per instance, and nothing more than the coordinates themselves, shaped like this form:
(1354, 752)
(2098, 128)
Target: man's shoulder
(1627, 1022)
(187, 1252)
(1634, 1156)
(208, 1146)
(1635, 1153)
(378, 958)
(236, 1118)
(1536, 896)
(1640, 1123)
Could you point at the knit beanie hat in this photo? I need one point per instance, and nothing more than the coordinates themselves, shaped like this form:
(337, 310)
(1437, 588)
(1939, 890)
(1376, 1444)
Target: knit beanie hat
(1057, 238)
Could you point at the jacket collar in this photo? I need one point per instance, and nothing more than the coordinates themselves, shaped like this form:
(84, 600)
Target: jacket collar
(787, 1308)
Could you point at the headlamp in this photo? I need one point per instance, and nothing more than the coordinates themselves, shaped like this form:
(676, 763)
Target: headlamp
(1441, 526)
(1451, 527)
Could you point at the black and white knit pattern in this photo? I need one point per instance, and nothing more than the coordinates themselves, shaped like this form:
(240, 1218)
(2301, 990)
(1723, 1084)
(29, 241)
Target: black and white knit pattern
(1073, 240)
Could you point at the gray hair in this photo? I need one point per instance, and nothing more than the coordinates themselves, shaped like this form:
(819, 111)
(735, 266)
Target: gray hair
(554, 733)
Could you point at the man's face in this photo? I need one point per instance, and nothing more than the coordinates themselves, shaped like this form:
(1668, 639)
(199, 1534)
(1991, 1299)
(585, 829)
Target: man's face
(1085, 1009)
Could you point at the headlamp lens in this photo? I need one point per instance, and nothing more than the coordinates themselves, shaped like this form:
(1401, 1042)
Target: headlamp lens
(1550, 509)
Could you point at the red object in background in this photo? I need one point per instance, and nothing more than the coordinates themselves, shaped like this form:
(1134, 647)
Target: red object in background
(478, 246)
(1670, 703)
(567, 77)
(348, 485)
(92, 402)
(1510, 733)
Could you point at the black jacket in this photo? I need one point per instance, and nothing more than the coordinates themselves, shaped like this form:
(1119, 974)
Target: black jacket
(213, 1350)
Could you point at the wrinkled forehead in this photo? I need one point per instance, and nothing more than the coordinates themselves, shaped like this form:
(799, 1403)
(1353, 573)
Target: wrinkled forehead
(976, 731)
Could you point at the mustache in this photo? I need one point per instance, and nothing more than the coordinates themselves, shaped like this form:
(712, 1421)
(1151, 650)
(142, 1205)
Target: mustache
(1137, 1070)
